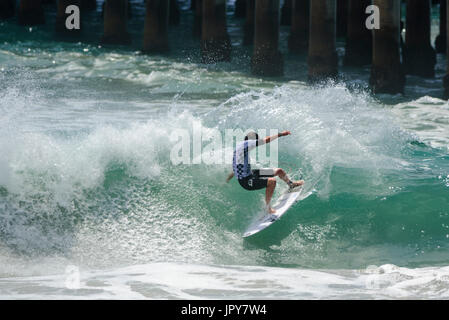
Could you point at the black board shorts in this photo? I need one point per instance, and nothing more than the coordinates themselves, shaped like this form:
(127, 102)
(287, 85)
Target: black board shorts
(257, 180)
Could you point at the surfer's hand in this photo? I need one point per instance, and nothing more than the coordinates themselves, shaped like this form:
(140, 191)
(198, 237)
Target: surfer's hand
(275, 136)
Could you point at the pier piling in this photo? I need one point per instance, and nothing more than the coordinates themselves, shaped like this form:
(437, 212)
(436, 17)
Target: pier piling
(248, 36)
(197, 17)
(116, 22)
(175, 13)
(387, 75)
(446, 78)
(240, 8)
(286, 13)
(322, 59)
(267, 59)
(88, 4)
(342, 17)
(155, 37)
(358, 38)
(215, 41)
(7, 9)
(419, 57)
(440, 41)
(299, 32)
(31, 12)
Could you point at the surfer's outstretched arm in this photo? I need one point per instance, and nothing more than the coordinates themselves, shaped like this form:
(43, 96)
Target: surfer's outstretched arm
(275, 136)
(229, 177)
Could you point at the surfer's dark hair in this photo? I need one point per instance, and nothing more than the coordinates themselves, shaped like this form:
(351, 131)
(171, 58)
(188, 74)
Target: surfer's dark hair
(252, 134)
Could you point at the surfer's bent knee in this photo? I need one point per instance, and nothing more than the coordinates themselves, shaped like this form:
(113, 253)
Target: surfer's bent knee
(279, 172)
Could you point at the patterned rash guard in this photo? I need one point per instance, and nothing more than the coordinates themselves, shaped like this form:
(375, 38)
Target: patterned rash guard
(240, 161)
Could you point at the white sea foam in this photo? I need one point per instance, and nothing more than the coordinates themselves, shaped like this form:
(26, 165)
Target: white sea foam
(426, 117)
(188, 281)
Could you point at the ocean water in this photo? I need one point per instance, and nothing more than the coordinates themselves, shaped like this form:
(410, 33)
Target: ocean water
(91, 205)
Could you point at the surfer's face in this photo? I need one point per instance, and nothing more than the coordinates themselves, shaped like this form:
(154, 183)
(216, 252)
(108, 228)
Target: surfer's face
(252, 136)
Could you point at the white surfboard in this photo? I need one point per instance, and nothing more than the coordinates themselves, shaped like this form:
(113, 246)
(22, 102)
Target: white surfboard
(285, 201)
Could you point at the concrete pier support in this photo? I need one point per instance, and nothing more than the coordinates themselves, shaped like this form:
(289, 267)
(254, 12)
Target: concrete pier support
(175, 13)
(359, 39)
(115, 22)
(440, 41)
(446, 77)
(387, 75)
(342, 17)
(266, 59)
(323, 59)
(155, 36)
(197, 17)
(61, 17)
(286, 13)
(240, 8)
(7, 9)
(89, 4)
(31, 12)
(129, 9)
(248, 37)
(215, 41)
(299, 34)
(419, 56)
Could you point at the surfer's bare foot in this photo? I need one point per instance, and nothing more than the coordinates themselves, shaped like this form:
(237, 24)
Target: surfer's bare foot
(271, 210)
(297, 183)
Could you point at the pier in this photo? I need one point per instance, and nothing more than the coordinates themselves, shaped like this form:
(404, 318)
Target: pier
(315, 26)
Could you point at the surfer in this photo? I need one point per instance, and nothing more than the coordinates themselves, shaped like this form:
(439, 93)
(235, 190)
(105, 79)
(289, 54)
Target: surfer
(259, 178)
